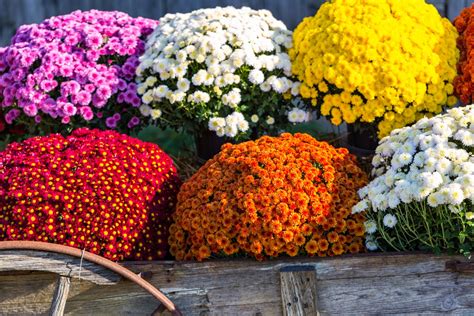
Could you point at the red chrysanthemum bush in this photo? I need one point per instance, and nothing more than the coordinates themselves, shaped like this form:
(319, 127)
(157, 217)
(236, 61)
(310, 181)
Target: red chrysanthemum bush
(464, 83)
(277, 195)
(101, 191)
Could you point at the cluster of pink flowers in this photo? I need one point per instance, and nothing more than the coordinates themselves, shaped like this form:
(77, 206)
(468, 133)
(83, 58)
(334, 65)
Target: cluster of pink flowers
(102, 191)
(77, 68)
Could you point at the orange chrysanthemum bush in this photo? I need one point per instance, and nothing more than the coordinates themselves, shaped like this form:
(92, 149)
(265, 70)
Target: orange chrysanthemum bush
(276, 195)
(464, 84)
(101, 191)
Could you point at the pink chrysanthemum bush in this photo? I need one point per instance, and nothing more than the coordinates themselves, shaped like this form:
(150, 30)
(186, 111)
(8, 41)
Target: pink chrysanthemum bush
(101, 191)
(74, 70)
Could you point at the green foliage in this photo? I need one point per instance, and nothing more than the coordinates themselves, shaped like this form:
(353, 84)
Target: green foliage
(182, 144)
(421, 227)
(173, 143)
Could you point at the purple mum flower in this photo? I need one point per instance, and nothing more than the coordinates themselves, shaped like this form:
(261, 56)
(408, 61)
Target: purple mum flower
(67, 50)
(122, 85)
(48, 104)
(69, 109)
(12, 115)
(134, 121)
(136, 102)
(129, 95)
(110, 122)
(66, 120)
(31, 110)
(121, 98)
(117, 117)
(86, 113)
(82, 98)
(94, 40)
(104, 91)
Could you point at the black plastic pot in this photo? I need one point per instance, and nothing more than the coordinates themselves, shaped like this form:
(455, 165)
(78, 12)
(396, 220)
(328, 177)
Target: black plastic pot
(362, 140)
(359, 152)
(208, 144)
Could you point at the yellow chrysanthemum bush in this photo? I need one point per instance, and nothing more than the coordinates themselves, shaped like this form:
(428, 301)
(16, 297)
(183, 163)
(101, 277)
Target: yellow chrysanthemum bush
(376, 63)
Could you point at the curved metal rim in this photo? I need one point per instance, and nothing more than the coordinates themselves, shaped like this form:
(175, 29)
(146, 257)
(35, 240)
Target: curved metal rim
(115, 267)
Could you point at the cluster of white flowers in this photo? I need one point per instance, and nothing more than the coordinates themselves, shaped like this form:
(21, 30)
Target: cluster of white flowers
(431, 161)
(229, 126)
(146, 111)
(297, 115)
(232, 99)
(206, 57)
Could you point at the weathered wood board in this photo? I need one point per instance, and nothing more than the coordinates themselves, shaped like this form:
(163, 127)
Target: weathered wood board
(63, 265)
(14, 13)
(299, 292)
(354, 285)
(454, 7)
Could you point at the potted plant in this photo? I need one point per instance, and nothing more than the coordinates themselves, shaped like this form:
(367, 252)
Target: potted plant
(285, 195)
(375, 65)
(463, 85)
(73, 70)
(101, 191)
(422, 193)
(218, 74)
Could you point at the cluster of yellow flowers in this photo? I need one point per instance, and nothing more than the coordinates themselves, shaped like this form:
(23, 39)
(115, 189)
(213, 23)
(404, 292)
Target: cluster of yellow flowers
(386, 62)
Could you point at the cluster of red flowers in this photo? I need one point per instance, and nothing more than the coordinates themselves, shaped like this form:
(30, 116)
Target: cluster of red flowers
(464, 83)
(104, 192)
(287, 194)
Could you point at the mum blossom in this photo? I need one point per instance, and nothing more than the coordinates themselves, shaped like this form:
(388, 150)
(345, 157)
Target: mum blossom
(423, 184)
(440, 169)
(101, 191)
(77, 69)
(463, 85)
(376, 63)
(277, 195)
(211, 63)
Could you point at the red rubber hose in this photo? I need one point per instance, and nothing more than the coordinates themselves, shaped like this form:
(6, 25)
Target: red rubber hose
(124, 272)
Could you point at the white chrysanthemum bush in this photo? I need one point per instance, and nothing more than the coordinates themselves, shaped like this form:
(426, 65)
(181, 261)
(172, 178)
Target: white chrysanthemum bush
(422, 195)
(224, 69)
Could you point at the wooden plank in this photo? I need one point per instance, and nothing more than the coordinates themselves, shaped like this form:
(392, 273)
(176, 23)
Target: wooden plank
(25, 260)
(27, 294)
(232, 286)
(299, 295)
(183, 6)
(454, 7)
(440, 5)
(18, 12)
(349, 285)
(430, 294)
(60, 296)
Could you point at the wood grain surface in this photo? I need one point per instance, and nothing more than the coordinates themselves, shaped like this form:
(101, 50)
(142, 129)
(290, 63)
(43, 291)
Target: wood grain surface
(14, 13)
(350, 285)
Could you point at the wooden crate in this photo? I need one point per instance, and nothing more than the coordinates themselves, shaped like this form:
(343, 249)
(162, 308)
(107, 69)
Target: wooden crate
(351, 285)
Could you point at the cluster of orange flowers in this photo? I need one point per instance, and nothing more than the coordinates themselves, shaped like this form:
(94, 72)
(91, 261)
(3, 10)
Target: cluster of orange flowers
(289, 194)
(463, 84)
